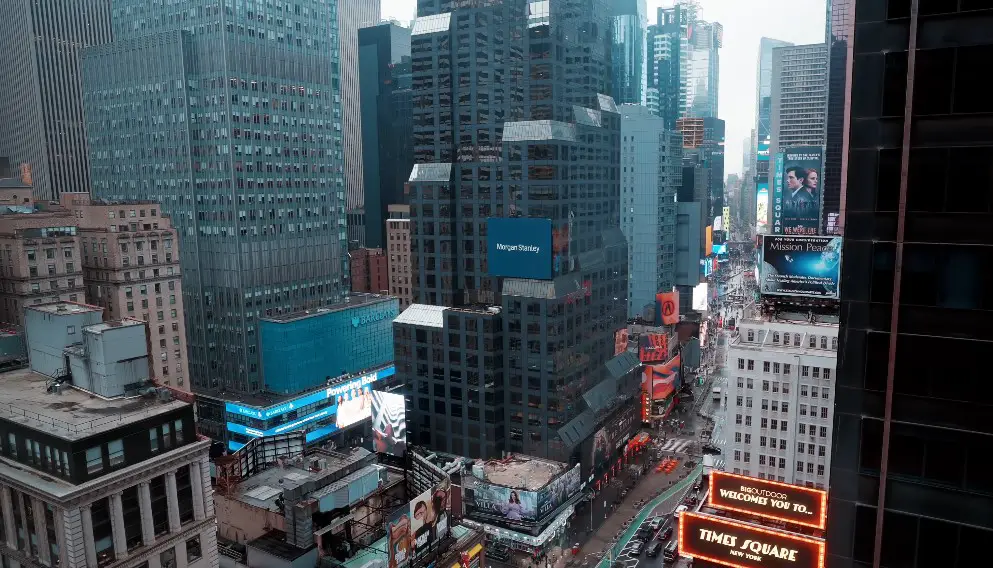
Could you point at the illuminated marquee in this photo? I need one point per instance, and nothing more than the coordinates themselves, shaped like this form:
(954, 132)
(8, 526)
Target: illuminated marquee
(743, 545)
(321, 395)
(769, 499)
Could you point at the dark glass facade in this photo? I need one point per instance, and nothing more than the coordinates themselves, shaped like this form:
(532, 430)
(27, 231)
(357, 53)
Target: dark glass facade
(839, 42)
(384, 83)
(916, 280)
(229, 115)
(628, 23)
(511, 120)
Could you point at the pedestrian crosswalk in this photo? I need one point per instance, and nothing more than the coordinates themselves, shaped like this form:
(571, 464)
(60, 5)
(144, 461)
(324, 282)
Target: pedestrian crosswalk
(676, 445)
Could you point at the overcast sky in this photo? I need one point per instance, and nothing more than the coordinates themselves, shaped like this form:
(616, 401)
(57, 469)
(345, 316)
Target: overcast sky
(745, 23)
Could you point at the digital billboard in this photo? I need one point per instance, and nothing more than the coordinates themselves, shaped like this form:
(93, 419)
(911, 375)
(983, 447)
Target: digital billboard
(797, 198)
(612, 435)
(660, 381)
(762, 208)
(667, 307)
(519, 247)
(726, 215)
(708, 240)
(700, 297)
(620, 341)
(519, 505)
(770, 499)
(800, 266)
(720, 249)
(389, 423)
(413, 528)
(653, 347)
(744, 545)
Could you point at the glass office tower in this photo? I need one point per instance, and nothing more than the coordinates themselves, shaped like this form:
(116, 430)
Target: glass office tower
(910, 481)
(229, 114)
(511, 121)
(628, 23)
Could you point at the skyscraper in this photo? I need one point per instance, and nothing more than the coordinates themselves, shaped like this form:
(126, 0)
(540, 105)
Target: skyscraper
(353, 16)
(514, 139)
(231, 119)
(841, 15)
(799, 96)
(763, 107)
(41, 119)
(910, 485)
(384, 75)
(702, 71)
(653, 171)
(628, 24)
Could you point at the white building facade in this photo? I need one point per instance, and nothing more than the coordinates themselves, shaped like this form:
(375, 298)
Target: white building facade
(780, 400)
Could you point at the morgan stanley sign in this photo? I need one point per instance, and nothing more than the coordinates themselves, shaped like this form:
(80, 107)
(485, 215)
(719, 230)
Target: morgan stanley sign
(519, 247)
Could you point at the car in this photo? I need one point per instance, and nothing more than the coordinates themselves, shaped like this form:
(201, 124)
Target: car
(698, 486)
(657, 523)
(636, 548)
(666, 534)
(654, 550)
(711, 449)
(679, 510)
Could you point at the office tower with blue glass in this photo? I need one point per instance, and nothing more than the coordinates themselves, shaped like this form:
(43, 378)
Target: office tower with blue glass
(230, 116)
(515, 231)
(628, 26)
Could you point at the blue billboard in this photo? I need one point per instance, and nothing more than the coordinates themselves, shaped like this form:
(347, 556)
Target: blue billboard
(519, 247)
(304, 400)
(800, 266)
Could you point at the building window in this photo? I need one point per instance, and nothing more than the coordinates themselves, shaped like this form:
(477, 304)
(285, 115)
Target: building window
(70, 330)
(166, 436)
(775, 368)
(827, 374)
(153, 439)
(741, 363)
(193, 550)
(762, 441)
(115, 451)
(786, 368)
(804, 371)
(799, 466)
(168, 558)
(12, 445)
(94, 460)
(178, 426)
(751, 364)
(765, 366)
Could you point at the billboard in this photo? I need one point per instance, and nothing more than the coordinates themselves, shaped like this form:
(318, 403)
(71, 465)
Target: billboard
(763, 152)
(770, 499)
(519, 505)
(519, 247)
(660, 381)
(797, 198)
(429, 517)
(726, 215)
(667, 307)
(700, 297)
(800, 266)
(612, 435)
(398, 535)
(620, 341)
(720, 249)
(718, 223)
(653, 347)
(762, 208)
(743, 545)
(708, 240)
(389, 423)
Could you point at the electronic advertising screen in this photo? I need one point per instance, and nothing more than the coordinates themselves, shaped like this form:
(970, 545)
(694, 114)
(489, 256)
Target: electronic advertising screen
(519, 247)
(412, 529)
(770, 499)
(389, 423)
(499, 502)
(762, 208)
(800, 266)
(797, 194)
(743, 545)
(653, 347)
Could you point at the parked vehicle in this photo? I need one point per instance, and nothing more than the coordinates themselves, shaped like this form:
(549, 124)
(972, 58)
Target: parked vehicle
(655, 549)
(637, 548)
(666, 534)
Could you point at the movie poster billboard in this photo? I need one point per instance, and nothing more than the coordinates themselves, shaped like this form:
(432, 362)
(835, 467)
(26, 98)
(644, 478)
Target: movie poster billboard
(429, 517)
(797, 199)
(558, 490)
(389, 423)
(660, 381)
(762, 208)
(800, 266)
(499, 502)
(398, 536)
(612, 435)
(653, 347)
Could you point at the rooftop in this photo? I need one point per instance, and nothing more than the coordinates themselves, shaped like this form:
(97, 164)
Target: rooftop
(65, 308)
(522, 472)
(73, 414)
(105, 325)
(423, 315)
(274, 543)
(353, 301)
